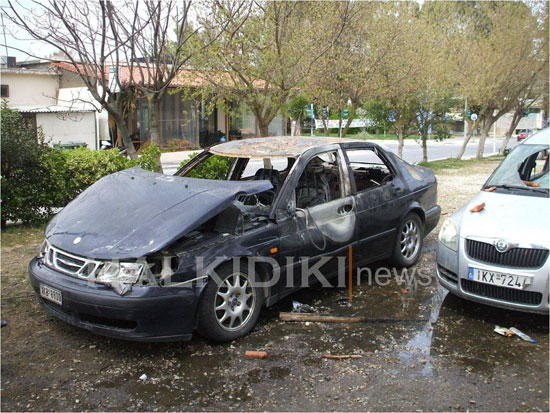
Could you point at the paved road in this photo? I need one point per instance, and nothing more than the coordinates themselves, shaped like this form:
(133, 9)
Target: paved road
(412, 152)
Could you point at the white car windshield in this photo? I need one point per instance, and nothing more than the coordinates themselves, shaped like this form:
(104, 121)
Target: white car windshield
(525, 168)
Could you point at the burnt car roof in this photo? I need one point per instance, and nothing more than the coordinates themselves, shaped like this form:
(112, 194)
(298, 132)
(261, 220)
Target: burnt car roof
(272, 147)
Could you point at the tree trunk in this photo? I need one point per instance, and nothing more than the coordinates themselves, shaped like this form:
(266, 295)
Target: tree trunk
(264, 129)
(400, 138)
(350, 119)
(471, 128)
(126, 140)
(325, 126)
(513, 125)
(298, 127)
(155, 111)
(424, 136)
(487, 123)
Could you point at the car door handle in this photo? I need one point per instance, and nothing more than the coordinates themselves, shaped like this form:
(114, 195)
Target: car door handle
(397, 190)
(345, 209)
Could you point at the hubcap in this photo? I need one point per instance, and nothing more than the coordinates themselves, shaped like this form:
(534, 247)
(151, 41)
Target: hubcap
(234, 303)
(410, 239)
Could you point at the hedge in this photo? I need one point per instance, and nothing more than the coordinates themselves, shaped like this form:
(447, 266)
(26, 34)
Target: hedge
(37, 179)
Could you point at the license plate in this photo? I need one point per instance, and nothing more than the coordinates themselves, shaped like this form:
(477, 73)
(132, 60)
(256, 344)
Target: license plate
(51, 294)
(496, 278)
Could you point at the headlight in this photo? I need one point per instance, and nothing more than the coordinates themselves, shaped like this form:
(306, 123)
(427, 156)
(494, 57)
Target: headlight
(43, 249)
(448, 235)
(122, 272)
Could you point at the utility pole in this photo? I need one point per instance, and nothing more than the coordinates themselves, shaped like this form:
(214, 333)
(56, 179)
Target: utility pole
(465, 123)
(312, 119)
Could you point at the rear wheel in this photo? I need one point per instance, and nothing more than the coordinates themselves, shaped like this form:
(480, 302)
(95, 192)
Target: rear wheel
(230, 307)
(409, 241)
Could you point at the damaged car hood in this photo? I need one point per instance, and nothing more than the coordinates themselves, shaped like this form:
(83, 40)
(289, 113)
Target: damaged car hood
(512, 218)
(132, 213)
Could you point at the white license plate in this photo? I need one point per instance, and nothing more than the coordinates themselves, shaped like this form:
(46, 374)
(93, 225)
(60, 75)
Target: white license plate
(51, 294)
(496, 278)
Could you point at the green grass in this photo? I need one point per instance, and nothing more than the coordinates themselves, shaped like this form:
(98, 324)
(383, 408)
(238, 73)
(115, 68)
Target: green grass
(22, 235)
(452, 163)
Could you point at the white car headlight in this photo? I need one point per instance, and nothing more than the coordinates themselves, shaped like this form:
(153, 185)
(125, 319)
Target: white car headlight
(122, 272)
(448, 235)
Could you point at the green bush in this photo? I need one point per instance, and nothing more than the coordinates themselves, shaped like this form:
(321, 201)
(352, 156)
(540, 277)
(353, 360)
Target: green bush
(22, 172)
(37, 179)
(149, 157)
(215, 167)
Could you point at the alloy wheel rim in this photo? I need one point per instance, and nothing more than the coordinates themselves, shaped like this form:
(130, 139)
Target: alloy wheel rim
(410, 240)
(235, 301)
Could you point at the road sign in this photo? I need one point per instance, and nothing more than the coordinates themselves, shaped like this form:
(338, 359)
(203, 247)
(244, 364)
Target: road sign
(310, 113)
(474, 117)
(468, 112)
(345, 113)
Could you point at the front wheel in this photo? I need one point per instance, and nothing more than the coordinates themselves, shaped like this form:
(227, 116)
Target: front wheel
(230, 306)
(409, 241)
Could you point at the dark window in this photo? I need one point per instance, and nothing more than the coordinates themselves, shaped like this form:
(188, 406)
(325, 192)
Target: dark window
(5, 91)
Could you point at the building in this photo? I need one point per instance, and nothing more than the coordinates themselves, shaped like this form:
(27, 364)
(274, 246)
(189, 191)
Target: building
(65, 114)
(54, 96)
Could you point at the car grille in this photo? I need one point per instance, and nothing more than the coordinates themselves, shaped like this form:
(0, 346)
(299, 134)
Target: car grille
(69, 263)
(510, 295)
(515, 257)
(447, 274)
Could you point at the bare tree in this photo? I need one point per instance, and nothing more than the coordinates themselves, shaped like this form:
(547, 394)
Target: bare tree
(143, 44)
(88, 36)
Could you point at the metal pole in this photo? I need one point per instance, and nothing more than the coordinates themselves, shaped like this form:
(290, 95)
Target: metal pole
(494, 137)
(465, 123)
(312, 119)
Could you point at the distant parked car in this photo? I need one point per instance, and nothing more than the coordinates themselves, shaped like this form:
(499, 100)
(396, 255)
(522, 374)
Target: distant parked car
(124, 258)
(499, 255)
(523, 135)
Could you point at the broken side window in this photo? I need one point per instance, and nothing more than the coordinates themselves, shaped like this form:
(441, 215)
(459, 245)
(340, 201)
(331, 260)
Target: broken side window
(369, 170)
(320, 181)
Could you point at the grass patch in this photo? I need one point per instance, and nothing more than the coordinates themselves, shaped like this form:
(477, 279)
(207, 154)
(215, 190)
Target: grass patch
(452, 163)
(22, 235)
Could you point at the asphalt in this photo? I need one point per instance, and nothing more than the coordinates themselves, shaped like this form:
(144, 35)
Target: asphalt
(412, 151)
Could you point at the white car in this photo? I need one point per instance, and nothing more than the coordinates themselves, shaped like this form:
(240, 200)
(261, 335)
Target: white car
(499, 255)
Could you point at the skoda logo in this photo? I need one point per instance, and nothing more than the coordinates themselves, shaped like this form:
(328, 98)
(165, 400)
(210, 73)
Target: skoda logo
(78, 239)
(501, 245)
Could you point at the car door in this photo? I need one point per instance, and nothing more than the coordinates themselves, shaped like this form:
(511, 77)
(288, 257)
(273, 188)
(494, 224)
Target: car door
(317, 216)
(377, 187)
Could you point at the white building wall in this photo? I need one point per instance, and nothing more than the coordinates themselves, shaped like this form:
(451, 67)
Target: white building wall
(69, 127)
(30, 89)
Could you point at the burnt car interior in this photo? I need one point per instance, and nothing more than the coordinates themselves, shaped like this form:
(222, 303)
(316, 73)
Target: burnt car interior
(319, 182)
(369, 170)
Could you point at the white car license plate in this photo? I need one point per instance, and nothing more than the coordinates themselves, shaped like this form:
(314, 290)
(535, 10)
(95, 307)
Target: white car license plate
(496, 278)
(51, 294)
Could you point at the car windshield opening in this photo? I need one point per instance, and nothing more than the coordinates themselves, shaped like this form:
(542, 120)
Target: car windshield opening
(525, 169)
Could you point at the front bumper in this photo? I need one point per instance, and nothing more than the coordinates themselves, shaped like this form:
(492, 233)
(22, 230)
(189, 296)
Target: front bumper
(143, 314)
(452, 273)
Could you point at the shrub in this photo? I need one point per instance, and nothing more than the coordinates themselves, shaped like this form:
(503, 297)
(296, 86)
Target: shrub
(22, 172)
(215, 167)
(149, 157)
(82, 167)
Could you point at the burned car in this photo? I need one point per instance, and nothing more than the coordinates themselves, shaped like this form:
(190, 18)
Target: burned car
(495, 248)
(146, 256)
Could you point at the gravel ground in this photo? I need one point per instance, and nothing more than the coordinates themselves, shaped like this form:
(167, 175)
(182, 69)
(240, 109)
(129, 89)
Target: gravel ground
(446, 357)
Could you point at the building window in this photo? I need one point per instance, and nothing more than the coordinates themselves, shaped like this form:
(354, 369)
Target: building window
(5, 91)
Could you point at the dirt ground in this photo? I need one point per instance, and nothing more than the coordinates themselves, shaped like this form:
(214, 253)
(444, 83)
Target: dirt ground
(445, 357)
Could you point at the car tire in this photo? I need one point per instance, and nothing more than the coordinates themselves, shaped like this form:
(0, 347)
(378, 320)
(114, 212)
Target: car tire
(229, 306)
(409, 241)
